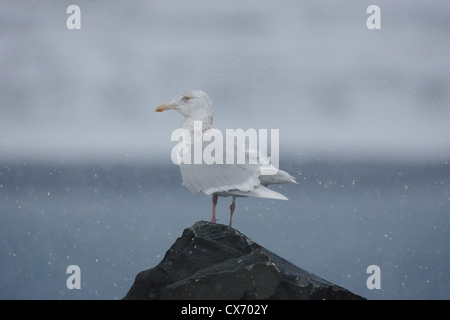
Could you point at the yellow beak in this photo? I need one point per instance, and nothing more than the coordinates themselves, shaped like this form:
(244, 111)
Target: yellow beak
(165, 106)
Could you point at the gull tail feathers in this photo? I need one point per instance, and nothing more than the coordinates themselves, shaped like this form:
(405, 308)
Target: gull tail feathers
(268, 177)
(259, 192)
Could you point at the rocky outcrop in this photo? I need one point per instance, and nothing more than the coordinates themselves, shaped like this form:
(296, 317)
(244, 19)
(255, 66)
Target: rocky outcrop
(214, 261)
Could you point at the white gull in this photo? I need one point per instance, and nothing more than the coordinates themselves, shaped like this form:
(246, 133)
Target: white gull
(222, 179)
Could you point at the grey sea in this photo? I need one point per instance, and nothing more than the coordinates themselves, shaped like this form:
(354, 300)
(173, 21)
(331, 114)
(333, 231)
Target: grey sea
(114, 221)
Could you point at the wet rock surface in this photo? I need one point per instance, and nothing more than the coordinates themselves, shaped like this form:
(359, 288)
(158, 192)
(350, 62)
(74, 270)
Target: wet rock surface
(214, 261)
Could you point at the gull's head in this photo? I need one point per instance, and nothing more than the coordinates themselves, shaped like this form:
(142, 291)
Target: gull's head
(191, 104)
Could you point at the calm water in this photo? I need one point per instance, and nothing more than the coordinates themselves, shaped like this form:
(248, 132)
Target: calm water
(114, 221)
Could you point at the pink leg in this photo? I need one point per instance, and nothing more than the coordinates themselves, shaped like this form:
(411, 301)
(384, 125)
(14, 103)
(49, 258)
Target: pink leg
(232, 207)
(213, 218)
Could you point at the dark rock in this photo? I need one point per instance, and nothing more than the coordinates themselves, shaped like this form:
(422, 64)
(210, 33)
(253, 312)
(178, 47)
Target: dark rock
(214, 261)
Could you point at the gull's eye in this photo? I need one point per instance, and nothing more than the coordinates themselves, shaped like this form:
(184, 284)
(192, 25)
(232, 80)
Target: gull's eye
(187, 98)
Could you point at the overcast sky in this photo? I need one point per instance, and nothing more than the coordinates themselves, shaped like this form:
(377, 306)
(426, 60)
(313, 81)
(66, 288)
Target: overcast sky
(311, 69)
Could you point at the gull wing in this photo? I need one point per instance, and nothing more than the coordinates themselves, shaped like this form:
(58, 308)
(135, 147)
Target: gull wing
(246, 179)
(211, 178)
